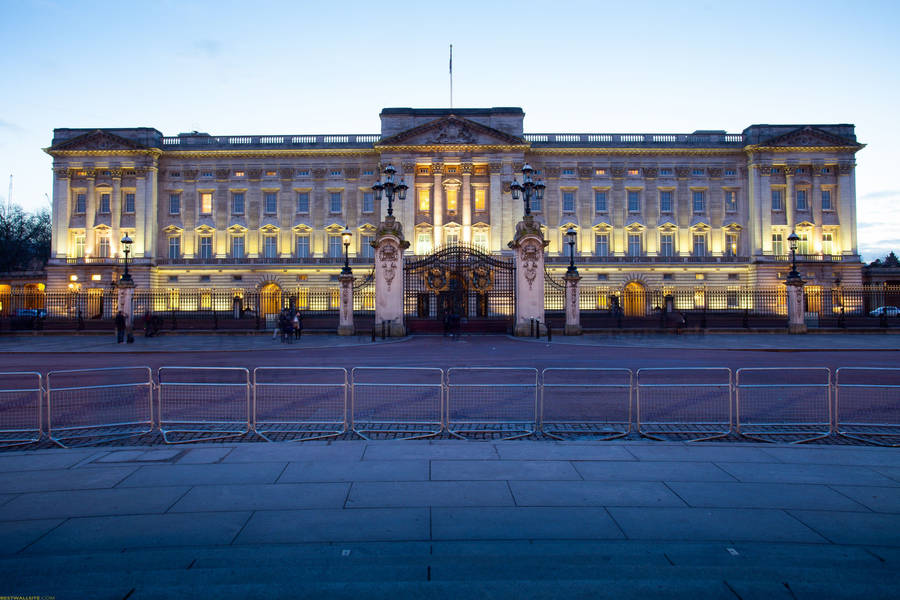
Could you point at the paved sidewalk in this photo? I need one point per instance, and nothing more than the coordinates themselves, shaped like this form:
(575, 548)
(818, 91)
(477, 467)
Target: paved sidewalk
(445, 519)
(205, 342)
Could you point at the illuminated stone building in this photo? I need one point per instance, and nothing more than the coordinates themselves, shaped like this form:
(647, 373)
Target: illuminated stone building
(651, 210)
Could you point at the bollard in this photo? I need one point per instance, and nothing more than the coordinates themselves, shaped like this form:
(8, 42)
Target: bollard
(382, 329)
(549, 332)
(373, 332)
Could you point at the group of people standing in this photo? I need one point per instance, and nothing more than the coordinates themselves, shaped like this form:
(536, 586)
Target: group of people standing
(290, 325)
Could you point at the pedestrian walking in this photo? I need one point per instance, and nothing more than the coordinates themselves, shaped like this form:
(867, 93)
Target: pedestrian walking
(295, 323)
(120, 327)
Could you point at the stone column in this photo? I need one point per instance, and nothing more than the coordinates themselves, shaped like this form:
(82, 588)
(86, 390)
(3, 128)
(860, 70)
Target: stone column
(529, 245)
(495, 205)
(62, 209)
(765, 207)
(573, 310)
(437, 202)
(124, 302)
(845, 203)
(89, 216)
(345, 324)
(116, 209)
(467, 202)
(796, 323)
(789, 204)
(389, 247)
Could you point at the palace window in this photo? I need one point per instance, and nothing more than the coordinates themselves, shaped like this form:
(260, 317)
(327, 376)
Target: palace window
(568, 171)
(424, 200)
(452, 194)
(270, 173)
(368, 172)
(237, 203)
(776, 200)
(303, 173)
(730, 200)
(802, 204)
(206, 247)
(129, 202)
(665, 171)
(175, 246)
(634, 172)
(697, 172)
(174, 204)
(368, 202)
(78, 243)
(80, 203)
(634, 201)
(303, 246)
(451, 237)
(729, 172)
(271, 200)
(480, 239)
(270, 246)
(826, 170)
(827, 243)
(302, 202)
(104, 203)
(103, 247)
(335, 202)
(777, 244)
(826, 200)
(206, 200)
(336, 173)
(601, 244)
(699, 201)
(335, 246)
(480, 199)
(238, 173)
(365, 246)
(423, 242)
(237, 246)
(665, 201)
(600, 201)
(568, 199)
(699, 244)
(599, 171)
(731, 244)
(803, 244)
(666, 244)
(206, 174)
(634, 244)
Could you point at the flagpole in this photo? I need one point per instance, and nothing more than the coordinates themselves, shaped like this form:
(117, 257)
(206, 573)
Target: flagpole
(451, 75)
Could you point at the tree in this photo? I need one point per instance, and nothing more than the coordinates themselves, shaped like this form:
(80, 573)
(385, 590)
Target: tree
(24, 239)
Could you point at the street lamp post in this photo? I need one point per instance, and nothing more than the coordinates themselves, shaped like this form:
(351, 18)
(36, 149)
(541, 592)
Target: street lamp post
(570, 235)
(528, 188)
(126, 249)
(793, 239)
(389, 188)
(347, 235)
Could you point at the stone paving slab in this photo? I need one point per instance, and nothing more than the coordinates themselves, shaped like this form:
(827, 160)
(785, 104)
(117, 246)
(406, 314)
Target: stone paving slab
(85, 503)
(593, 493)
(470, 470)
(142, 531)
(764, 495)
(522, 524)
(294, 452)
(454, 450)
(853, 527)
(726, 524)
(281, 496)
(63, 479)
(551, 451)
(47, 460)
(807, 473)
(706, 453)
(155, 475)
(15, 536)
(198, 456)
(429, 493)
(341, 525)
(878, 499)
(651, 471)
(348, 470)
(835, 456)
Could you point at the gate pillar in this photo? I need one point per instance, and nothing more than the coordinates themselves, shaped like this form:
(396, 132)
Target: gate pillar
(345, 321)
(529, 244)
(573, 310)
(389, 246)
(796, 323)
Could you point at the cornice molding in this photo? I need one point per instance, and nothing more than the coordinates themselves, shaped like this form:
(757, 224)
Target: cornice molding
(154, 152)
(638, 151)
(266, 153)
(804, 149)
(454, 148)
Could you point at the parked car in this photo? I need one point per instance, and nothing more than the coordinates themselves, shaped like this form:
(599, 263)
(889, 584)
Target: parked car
(890, 311)
(28, 313)
(28, 318)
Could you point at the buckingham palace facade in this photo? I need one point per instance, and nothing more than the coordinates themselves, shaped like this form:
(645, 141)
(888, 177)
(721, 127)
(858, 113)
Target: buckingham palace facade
(250, 211)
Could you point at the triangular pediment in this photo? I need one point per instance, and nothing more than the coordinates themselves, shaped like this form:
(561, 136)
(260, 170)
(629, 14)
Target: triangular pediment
(451, 130)
(809, 137)
(99, 140)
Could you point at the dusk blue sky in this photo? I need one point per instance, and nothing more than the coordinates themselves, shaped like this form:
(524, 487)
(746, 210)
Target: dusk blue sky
(330, 67)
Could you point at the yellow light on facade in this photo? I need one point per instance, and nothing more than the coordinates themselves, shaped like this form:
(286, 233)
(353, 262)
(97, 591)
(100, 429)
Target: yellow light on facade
(96, 277)
(73, 277)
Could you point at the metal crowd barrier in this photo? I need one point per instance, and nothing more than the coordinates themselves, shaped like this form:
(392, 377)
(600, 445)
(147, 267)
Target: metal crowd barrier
(686, 401)
(203, 403)
(867, 404)
(20, 408)
(784, 402)
(492, 400)
(407, 401)
(587, 401)
(111, 403)
(299, 403)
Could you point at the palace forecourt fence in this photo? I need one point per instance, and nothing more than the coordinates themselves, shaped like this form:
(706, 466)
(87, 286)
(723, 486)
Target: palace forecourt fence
(188, 404)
